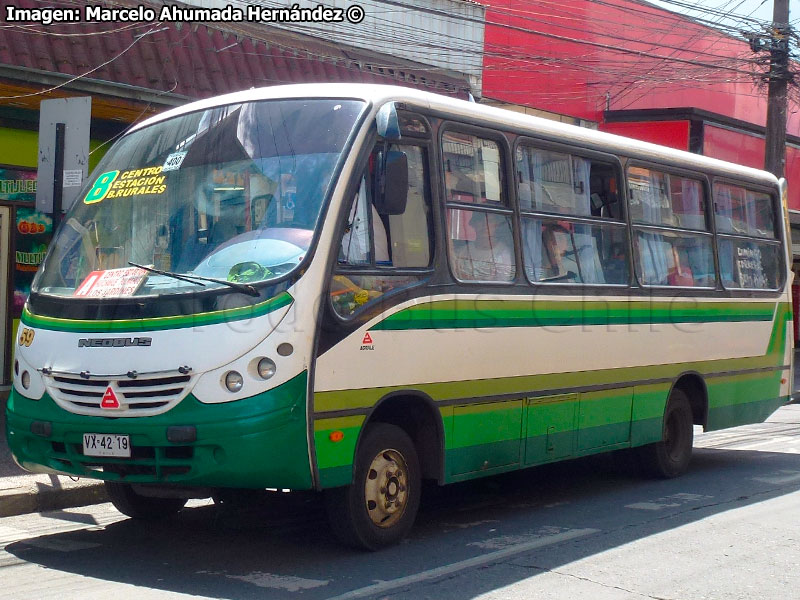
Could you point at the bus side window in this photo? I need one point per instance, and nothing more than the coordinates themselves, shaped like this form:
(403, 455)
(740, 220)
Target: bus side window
(377, 250)
(362, 222)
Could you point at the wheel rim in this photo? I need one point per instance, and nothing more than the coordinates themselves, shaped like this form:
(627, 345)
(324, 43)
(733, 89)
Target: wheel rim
(386, 488)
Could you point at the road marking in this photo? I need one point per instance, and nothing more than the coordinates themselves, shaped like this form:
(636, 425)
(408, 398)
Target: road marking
(280, 582)
(777, 478)
(472, 524)
(507, 541)
(650, 506)
(673, 501)
(690, 497)
(477, 561)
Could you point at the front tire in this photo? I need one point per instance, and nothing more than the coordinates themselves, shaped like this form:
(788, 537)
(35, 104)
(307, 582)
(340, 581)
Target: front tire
(671, 456)
(136, 506)
(379, 507)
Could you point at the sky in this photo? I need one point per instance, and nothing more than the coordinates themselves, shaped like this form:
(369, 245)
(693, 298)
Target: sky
(756, 9)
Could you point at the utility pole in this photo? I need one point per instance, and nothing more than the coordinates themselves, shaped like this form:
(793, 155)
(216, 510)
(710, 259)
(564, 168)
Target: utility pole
(779, 76)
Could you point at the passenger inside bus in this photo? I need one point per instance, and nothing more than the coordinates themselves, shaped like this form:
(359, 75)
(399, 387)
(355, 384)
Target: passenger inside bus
(489, 255)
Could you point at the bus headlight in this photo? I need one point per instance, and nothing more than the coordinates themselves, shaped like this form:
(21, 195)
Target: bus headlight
(266, 368)
(234, 381)
(26, 379)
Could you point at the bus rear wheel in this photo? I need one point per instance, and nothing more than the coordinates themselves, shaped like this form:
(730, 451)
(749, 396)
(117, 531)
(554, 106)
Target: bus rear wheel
(379, 507)
(671, 456)
(136, 506)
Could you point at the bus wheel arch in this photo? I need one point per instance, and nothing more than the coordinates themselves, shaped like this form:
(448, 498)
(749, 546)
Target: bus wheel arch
(379, 507)
(685, 406)
(417, 415)
(399, 444)
(694, 386)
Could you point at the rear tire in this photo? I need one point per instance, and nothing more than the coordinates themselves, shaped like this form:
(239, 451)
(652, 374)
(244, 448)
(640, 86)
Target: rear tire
(136, 506)
(671, 456)
(379, 507)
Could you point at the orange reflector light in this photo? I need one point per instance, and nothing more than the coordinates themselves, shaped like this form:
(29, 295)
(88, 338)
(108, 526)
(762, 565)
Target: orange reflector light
(784, 380)
(336, 436)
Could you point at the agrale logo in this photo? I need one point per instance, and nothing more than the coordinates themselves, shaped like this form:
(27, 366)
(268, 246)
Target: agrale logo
(367, 343)
(110, 400)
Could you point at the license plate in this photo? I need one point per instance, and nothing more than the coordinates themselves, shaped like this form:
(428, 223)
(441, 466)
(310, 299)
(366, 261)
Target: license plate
(106, 444)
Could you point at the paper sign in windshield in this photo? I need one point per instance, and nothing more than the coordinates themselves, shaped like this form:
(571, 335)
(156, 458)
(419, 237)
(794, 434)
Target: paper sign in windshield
(112, 283)
(174, 160)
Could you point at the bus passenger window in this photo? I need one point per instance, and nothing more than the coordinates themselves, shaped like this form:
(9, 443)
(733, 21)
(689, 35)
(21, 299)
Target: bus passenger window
(572, 227)
(666, 256)
(750, 258)
(674, 259)
(487, 251)
(480, 241)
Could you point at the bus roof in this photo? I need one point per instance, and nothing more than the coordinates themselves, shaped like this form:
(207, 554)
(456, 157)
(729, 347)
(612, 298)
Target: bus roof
(379, 94)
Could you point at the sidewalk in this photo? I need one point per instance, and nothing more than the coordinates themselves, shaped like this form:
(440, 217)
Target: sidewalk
(22, 492)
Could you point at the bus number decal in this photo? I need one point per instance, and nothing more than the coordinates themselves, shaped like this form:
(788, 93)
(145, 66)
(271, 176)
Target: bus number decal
(101, 187)
(26, 337)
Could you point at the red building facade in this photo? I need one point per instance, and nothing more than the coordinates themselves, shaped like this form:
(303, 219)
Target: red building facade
(636, 70)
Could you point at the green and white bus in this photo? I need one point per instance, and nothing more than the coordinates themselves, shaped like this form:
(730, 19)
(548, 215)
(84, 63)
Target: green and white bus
(353, 288)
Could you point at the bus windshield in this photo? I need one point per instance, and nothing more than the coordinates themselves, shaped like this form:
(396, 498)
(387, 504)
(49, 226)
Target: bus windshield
(231, 193)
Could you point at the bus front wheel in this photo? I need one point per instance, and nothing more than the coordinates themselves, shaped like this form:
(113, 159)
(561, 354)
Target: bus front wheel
(136, 506)
(379, 507)
(670, 457)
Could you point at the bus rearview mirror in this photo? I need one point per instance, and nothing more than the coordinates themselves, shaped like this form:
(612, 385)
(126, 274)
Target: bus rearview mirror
(388, 123)
(393, 184)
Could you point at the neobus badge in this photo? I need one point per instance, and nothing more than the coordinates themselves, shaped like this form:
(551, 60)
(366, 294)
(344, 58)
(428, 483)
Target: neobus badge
(114, 342)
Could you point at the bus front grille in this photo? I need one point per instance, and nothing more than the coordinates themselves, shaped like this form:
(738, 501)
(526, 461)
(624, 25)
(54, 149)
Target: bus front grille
(143, 396)
(146, 463)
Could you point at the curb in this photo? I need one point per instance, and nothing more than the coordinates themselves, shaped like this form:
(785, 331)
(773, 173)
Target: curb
(25, 501)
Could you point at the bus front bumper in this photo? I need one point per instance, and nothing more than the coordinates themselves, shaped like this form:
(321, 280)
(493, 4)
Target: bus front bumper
(257, 442)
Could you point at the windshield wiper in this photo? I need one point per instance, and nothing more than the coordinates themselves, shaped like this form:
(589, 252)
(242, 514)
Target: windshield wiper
(197, 279)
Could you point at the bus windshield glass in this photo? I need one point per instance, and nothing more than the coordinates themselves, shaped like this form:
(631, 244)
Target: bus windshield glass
(233, 193)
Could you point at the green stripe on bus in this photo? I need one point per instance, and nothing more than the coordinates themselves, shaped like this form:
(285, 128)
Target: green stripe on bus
(159, 323)
(743, 413)
(458, 314)
(521, 384)
(493, 437)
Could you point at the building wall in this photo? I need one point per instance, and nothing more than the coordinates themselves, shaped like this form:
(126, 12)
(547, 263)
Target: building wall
(446, 34)
(584, 58)
(29, 231)
(674, 134)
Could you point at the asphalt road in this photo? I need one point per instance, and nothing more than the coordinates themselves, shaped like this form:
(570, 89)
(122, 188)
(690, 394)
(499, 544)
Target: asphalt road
(583, 529)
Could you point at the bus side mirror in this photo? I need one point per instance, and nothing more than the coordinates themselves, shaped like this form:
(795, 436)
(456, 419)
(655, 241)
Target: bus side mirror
(392, 184)
(387, 122)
